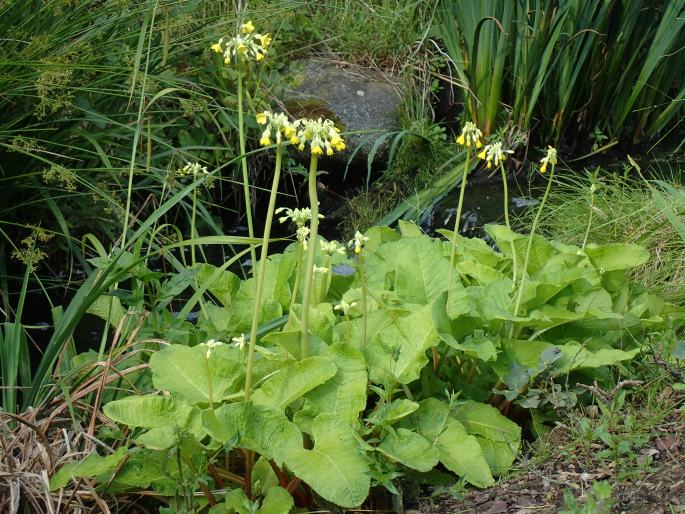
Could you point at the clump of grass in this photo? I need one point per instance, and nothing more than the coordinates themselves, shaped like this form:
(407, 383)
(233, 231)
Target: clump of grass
(623, 210)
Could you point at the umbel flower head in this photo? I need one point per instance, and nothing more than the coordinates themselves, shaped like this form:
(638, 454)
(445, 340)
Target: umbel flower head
(331, 247)
(279, 125)
(470, 135)
(244, 46)
(550, 158)
(193, 168)
(358, 241)
(494, 154)
(298, 216)
(320, 134)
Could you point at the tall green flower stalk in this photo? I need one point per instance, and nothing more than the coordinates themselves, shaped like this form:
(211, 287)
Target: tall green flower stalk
(300, 217)
(494, 154)
(328, 248)
(240, 50)
(279, 124)
(246, 175)
(322, 135)
(311, 255)
(470, 136)
(358, 243)
(193, 169)
(549, 160)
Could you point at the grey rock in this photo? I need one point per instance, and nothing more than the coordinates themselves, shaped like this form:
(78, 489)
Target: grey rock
(355, 98)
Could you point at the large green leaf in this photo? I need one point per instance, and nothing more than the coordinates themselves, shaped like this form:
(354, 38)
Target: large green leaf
(410, 449)
(397, 351)
(336, 467)
(421, 270)
(345, 394)
(498, 454)
(91, 466)
(486, 421)
(263, 429)
(458, 450)
(222, 284)
(392, 412)
(276, 501)
(293, 381)
(616, 256)
(279, 268)
(190, 373)
(149, 411)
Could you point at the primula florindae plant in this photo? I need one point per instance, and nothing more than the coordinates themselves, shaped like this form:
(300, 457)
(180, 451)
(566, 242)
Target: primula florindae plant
(337, 391)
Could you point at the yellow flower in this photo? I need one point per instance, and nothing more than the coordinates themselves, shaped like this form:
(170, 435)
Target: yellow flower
(550, 158)
(261, 118)
(320, 134)
(358, 241)
(246, 45)
(265, 39)
(265, 141)
(470, 135)
(494, 154)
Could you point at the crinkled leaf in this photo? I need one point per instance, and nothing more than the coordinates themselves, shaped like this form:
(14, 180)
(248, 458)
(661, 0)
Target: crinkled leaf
(336, 468)
(421, 270)
(149, 411)
(458, 451)
(293, 381)
(344, 395)
(392, 412)
(222, 284)
(91, 466)
(187, 371)
(396, 350)
(410, 449)
(487, 421)
(499, 455)
(263, 429)
(616, 256)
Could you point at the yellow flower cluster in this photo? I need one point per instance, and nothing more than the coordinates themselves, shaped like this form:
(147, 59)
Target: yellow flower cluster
(494, 154)
(281, 127)
(321, 134)
(470, 135)
(550, 158)
(244, 46)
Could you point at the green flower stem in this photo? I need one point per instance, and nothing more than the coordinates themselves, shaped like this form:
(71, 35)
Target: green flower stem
(243, 162)
(365, 312)
(209, 383)
(311, 256)
(589, 220)
(324, 282)
(296, 285)
(457, 222)
(192, 226)
(529, 246)
(506, 217)
(260, 275)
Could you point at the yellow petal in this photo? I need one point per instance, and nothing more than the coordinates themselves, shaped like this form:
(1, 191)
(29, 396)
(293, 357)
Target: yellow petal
(543, 168)
(217, 48)
(479, 144)
(246, 28)
(481, 155)
(460, 139)
(261, 118)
